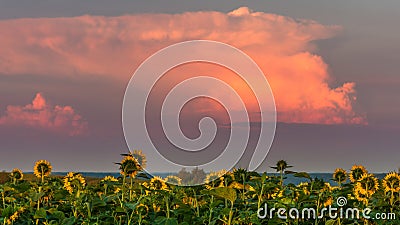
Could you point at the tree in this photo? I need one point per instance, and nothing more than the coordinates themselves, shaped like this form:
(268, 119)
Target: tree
(196, 176)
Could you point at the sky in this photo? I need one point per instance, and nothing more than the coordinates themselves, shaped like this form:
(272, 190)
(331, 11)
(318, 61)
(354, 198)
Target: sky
(332, 67)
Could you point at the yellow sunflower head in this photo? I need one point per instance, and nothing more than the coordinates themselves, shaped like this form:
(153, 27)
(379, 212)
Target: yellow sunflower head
(157, 183)
(357, 171)
(326, 187)
(328, 202)
(14, 217)
(16, 174)
(367, 185)
(142, 209)
(129, 166)
(74, 182)
(215, 179)
(140, 157)
(240, 174)
(391, 182)
(173, 180)
(360, 196)
(42, 168)
(305, 186)
(117, 190)
(276, 193)
(340, 175)
(236, 185)
(109, 179)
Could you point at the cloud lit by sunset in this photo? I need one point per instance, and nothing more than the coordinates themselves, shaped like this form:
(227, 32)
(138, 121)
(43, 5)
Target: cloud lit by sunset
(42, 115)
(112, 48)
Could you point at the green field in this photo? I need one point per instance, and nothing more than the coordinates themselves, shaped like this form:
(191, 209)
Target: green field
(233, 198)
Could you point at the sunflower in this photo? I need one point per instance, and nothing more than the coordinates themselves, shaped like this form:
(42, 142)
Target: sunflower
(117, 190)
(305, 187)
(367, 185)
(340, 175)
(108, 182)
(16, 174)
(156, 183)
(239, 186)
(240, 175)
(326, 187)
(360, 196)
(142, 209)
(236, 185)
(42, 169)
(74, 182)
(391, 182)
(15, 216)
(277, 193)
(173, 180)
(328, 202)
(129, 166)
(140, 157)
(281, 166)
(215, 179)
(214, 176)
(357, 171)
(109, 179)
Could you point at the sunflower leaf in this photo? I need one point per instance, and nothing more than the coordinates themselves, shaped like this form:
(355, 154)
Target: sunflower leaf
(40, 214)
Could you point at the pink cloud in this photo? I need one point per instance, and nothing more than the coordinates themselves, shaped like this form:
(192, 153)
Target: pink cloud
(114, 47)
(40, 114)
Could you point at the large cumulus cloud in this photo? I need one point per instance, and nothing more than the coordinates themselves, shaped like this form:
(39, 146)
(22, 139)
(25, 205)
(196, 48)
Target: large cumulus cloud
(115, 46)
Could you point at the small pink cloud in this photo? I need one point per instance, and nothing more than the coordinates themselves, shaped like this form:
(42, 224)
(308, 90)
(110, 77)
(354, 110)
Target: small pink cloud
(42, 115)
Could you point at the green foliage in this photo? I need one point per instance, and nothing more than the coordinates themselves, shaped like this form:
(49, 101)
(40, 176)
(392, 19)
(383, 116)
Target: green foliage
(235, 199)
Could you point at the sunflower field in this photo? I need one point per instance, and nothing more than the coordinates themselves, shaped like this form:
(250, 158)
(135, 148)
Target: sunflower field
(227, 197)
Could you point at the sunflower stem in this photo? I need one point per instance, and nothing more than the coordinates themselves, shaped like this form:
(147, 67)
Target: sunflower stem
(89, 210)
(4, 199)
(316, 218)
(131, 189)
(123, 187)
(211, 209)
(243, 177)
(38, 203)
(140, 219)
(260, 196)
(197, 204)
(130, 217)
(167, 205)
(391, 200)
(230, 214)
